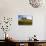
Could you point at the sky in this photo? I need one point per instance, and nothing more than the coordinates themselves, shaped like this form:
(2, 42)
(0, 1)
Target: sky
(27, 16)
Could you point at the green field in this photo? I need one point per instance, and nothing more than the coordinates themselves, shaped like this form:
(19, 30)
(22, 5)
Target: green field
(25, 22)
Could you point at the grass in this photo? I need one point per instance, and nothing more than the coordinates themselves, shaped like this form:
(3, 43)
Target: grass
(25, 22)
